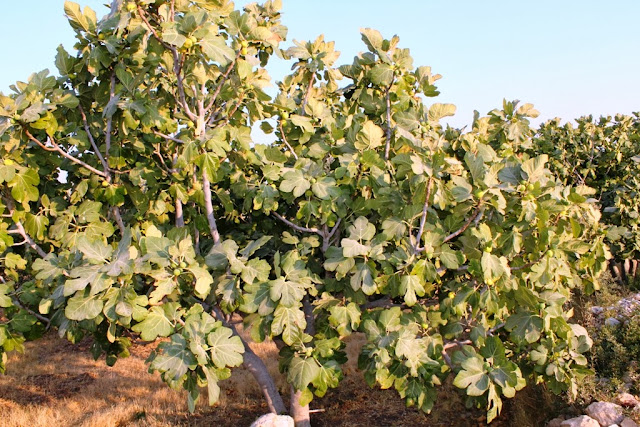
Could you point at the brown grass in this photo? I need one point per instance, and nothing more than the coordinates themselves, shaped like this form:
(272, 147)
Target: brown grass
(58, 384)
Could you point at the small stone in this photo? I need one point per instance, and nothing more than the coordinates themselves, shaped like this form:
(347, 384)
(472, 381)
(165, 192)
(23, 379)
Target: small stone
(627, 400)
(612, 322)
(596, 310)
(606, 413)
(273, 420)
(556, 422)
(628, 422)
(581, 421)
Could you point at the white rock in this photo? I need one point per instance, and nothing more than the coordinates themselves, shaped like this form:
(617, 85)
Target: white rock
(581, 421)
(596, 310)
(628, 422)
(273, 420)
(612, 321)
(627, 400)
(606, 413)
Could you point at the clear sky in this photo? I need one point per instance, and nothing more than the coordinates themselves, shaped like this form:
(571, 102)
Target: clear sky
(567, 57)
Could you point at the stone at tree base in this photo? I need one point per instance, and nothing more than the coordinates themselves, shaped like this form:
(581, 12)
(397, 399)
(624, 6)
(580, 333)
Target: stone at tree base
(273, 420)
(581, 421)
(627, 400)
(556, 422)
(606, 413)
(628, 422)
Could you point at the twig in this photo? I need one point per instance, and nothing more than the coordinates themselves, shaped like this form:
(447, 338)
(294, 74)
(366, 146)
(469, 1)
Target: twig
(20, 228)
(306, 95)
(105, 165)
(223, 80)
(57, 148)
(284, 139)
(297, 227)
(38, 316)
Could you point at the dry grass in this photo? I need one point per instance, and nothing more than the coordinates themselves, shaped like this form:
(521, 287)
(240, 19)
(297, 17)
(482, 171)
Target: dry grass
(58, 384)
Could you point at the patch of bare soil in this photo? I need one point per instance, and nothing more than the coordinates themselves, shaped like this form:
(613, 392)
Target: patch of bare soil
(59, 384)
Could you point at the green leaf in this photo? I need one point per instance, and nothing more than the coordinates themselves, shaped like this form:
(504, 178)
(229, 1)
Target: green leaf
(226, 349)
(535, 168)
(216, 49)
(361, 229)
(256, 269)
(81, 307)
(472, 377)
(15, 261)
(294, 181)
(288, 321)
(175, 359)
(438, 111)
(203, 281)
(412, 287)
(370, 136)
(345, 318)
(171, 35)
(96, 251)
(288, 293)
(525, 326)
(352, 248)
(155, 325)
(302, 372)
(24, 186)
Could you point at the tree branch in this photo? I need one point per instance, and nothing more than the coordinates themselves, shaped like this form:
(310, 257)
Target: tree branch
(297, 227)
(105, 165)
(308, 92)
(284, 139)
(257, 368)
(466, 224)
(107, 132)
(423, 219)
(179, 214)
(223, 80)
(389, 130)
(38, 316)
(211, 219)
(169, 138)
(57, 148)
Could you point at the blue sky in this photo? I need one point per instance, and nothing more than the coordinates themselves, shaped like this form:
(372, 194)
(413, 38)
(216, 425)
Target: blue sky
(567, 57)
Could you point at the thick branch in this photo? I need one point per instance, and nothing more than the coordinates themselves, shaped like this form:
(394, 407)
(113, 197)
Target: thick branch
(297, 227)
(179, 214)
(258, 369)
(116, 214)
(57, 148)
(466, 224)
(211, 219)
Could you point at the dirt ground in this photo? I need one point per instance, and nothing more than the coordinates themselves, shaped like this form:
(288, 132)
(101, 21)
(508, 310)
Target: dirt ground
(55, 383)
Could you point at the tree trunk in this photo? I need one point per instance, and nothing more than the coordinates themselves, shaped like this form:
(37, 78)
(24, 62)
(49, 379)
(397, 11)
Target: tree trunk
(299, 413)
(258, 369)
